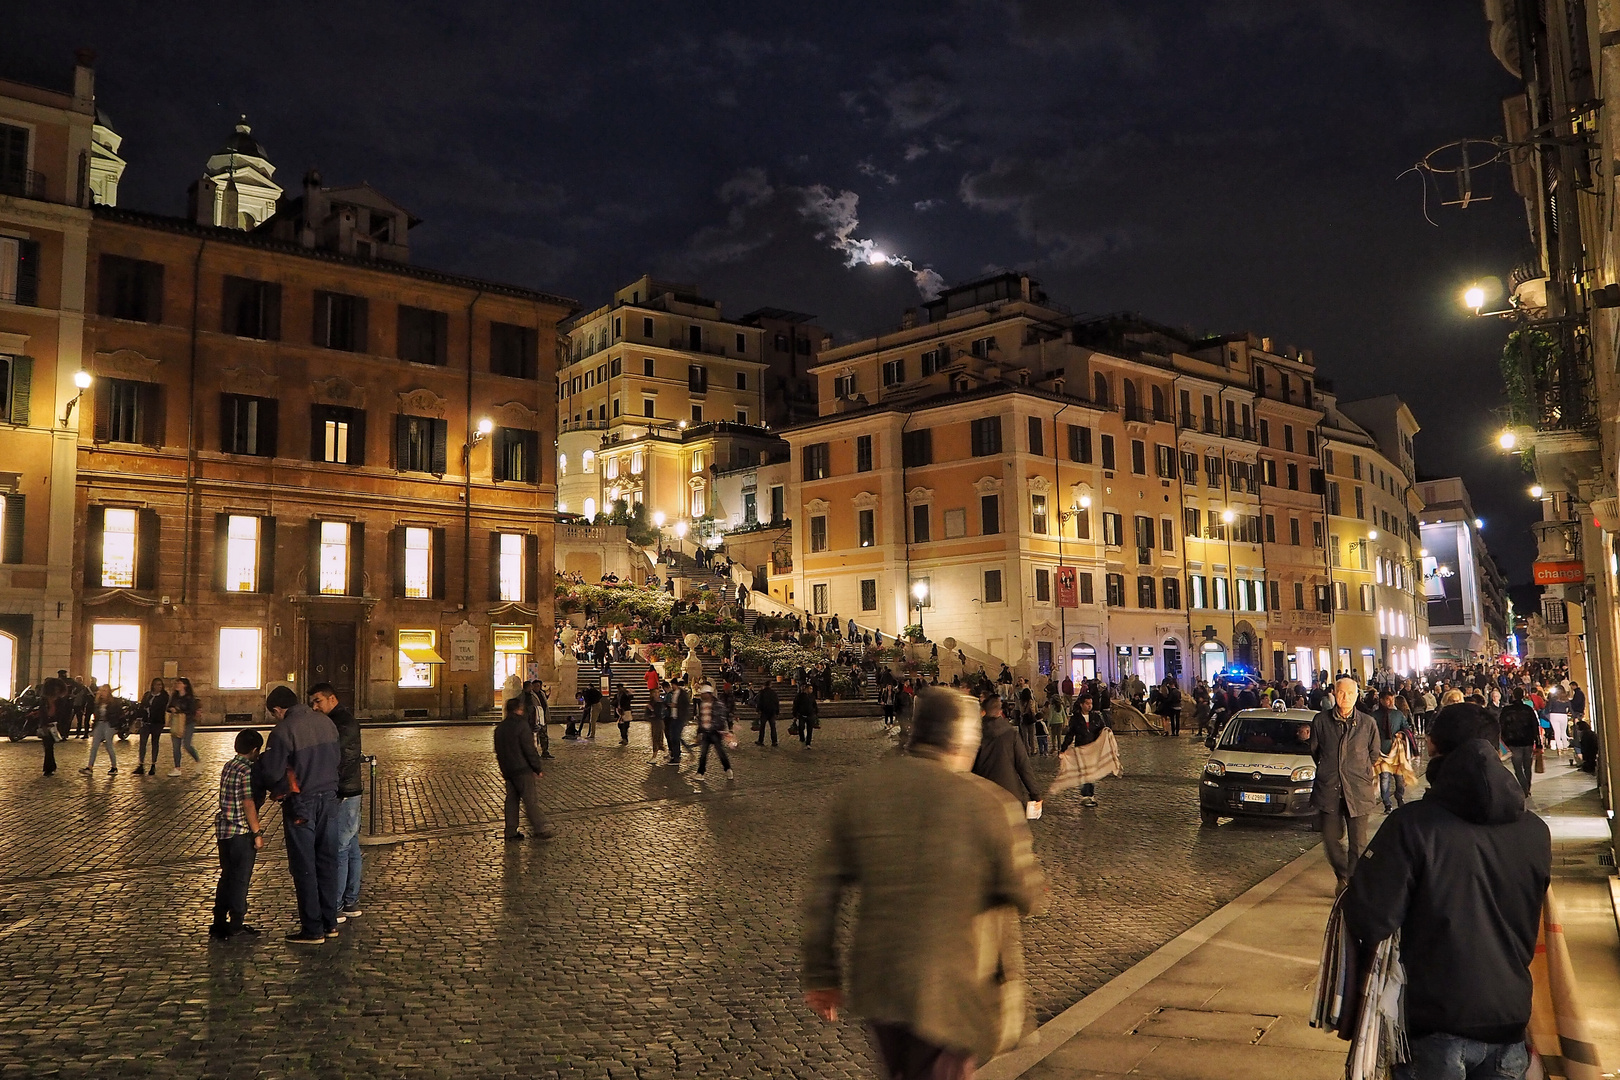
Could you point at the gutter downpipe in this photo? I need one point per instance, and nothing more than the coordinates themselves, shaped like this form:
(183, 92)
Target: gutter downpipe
(191, 428)
(466, 465)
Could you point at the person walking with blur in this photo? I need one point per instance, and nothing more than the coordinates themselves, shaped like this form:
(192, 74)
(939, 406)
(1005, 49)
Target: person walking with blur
(54, 712)
(1001, 756)
(1521, 734)
(183, 709)
(1344, 745)
(943, 863)
(714, 724)
(519, 762)
(103, 711)
(154, 707)
(768, 706)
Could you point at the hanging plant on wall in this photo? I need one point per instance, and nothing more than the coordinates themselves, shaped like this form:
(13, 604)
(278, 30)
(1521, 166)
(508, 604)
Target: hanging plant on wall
(1526, 359)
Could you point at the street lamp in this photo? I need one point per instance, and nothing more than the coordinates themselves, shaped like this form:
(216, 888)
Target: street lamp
(485, 426)
(1508, 439)
(920, 592)
(82, 380)
(1535, 491)
(1474, 297)
(1228, 517)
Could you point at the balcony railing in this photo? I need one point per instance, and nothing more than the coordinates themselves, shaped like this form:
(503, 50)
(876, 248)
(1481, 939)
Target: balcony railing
(23, 184)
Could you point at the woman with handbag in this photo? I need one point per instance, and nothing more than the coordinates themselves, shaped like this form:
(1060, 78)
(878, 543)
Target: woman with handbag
(624, 712)
(183, 708)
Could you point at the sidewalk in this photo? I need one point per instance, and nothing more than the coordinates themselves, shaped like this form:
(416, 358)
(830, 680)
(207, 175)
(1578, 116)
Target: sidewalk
(1231, 998)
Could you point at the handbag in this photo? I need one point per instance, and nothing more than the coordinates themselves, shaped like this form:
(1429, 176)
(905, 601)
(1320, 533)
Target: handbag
(793, 728)
(1541, 761)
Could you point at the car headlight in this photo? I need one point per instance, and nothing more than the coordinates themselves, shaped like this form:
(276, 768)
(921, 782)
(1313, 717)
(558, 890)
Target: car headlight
(1304, 772)
(1215, 768)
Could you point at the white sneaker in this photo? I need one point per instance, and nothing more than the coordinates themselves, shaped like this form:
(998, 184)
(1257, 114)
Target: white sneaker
(352, 913)
(174, 772)
(729, 776)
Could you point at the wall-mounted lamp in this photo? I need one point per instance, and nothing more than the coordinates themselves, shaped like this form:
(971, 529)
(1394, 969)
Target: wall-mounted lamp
(485, 426)
(82, 380)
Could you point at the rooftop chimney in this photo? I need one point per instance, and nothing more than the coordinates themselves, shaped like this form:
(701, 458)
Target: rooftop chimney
(908, 319)
(84, 81)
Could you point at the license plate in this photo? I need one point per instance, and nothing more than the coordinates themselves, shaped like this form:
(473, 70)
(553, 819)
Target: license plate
(1256, 796)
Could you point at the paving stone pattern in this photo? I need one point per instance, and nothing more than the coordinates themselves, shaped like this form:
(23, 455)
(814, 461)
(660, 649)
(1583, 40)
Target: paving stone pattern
(655, 937)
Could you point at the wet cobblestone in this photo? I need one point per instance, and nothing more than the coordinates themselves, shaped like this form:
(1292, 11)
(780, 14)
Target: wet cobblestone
(655, 937)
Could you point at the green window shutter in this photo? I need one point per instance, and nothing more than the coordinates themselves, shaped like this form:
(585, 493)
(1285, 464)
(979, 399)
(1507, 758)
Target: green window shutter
(16, 520)
(22, 387)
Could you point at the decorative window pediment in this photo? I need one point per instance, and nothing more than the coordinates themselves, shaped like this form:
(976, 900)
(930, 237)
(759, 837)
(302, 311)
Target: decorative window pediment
(422, 402)
(919, 495)
(865, 501)
(987, 485)
(818, 506)
(1040, 485)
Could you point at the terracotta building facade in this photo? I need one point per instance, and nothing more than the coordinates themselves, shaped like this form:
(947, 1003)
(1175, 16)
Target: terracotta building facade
(303, 459)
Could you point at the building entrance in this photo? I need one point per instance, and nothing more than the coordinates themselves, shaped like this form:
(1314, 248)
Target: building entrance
(331, 658)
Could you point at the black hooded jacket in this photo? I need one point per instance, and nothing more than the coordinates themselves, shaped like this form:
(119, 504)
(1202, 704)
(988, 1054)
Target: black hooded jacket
(1462, 874)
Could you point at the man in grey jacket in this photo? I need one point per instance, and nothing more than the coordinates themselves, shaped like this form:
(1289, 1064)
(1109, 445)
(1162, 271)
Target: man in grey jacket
(1344, 745)
(944, 866)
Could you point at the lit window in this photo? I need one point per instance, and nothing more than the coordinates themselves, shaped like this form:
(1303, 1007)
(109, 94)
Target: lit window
(590, 508)
(239, 652)
(612, 468)
(337, 440)
(241, 555)
(698, 502)
(418, 662)
(697, 461)
(118, 550)
(115, 656)
(562, 464)
(636, 462)
(588, 461)
(334, 558)
(418, 564)
(512, 567)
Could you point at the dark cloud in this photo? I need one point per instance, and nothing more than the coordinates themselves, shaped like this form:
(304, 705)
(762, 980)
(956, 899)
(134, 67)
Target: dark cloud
(1221, 164)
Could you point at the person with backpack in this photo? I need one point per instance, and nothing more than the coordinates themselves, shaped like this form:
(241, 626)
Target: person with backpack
(1521, 734)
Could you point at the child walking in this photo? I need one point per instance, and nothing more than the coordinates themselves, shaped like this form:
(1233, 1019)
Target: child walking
(236, 827)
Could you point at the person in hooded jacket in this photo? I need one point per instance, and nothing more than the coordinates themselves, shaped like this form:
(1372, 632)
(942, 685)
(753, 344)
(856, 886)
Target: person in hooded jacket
(1462, 874)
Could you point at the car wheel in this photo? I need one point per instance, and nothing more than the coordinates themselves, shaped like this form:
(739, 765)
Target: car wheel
(1208, 817)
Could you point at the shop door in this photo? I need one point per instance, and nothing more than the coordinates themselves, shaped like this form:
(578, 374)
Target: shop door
(331, 658)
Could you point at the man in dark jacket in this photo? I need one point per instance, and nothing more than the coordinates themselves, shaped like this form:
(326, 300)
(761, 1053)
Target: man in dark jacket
(519, 761)
(679, 715)
(1462, 873)
(351, 763)
(1344, 745)
(805, 714)
(1002, 758)
(767, 705)
(300, 767)
(1521, 734)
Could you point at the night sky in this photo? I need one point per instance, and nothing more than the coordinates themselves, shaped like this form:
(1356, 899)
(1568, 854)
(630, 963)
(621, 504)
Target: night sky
(1222, 165)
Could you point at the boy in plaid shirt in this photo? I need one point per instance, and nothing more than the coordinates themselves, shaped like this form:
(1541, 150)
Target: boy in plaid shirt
(236, 827)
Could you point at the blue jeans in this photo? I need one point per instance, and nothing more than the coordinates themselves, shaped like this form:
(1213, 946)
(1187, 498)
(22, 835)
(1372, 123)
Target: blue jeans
(1392, 786)
(102, 735)
(348, 859)
(1448, 1057)
(310, 824)
(183, 741)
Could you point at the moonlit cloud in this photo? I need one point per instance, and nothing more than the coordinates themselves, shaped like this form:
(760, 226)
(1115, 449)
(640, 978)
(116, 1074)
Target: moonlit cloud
(837, 218)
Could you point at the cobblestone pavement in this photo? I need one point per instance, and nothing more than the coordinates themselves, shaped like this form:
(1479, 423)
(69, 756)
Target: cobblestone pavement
(655, 937)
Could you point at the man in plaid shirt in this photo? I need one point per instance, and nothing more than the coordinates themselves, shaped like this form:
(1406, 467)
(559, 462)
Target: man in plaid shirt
(236, 827)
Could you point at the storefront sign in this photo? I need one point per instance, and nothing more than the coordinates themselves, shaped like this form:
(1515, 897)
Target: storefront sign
(464, 647)
(1559, 573)
(1067, 595)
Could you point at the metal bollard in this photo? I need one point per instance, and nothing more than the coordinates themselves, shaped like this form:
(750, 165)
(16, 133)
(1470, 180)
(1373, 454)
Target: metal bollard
(371, 762)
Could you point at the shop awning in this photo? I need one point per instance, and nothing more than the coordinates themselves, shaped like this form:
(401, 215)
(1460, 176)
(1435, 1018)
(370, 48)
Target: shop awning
(420, 654)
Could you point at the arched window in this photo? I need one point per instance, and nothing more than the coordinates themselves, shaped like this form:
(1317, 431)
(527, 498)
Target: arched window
(1158, 403)
(590, 509)
(562, 464)
(1099, 393)
(588, 461)
(1132, 406)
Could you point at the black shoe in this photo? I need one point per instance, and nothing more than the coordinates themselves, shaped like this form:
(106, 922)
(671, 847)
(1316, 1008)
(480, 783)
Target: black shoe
(546, 754)
(545, 834)
(298, 937)
(513, 836)
(220, 933)
(244, 928)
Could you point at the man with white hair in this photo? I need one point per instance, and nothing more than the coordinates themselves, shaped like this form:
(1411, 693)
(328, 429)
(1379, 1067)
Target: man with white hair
(1344, 745)
(944, 866)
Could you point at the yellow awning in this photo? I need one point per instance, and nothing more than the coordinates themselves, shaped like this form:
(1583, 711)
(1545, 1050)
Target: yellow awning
(420, 654)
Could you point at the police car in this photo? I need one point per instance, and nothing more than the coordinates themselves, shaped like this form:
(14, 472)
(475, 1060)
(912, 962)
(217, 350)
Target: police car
(1260, 766)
